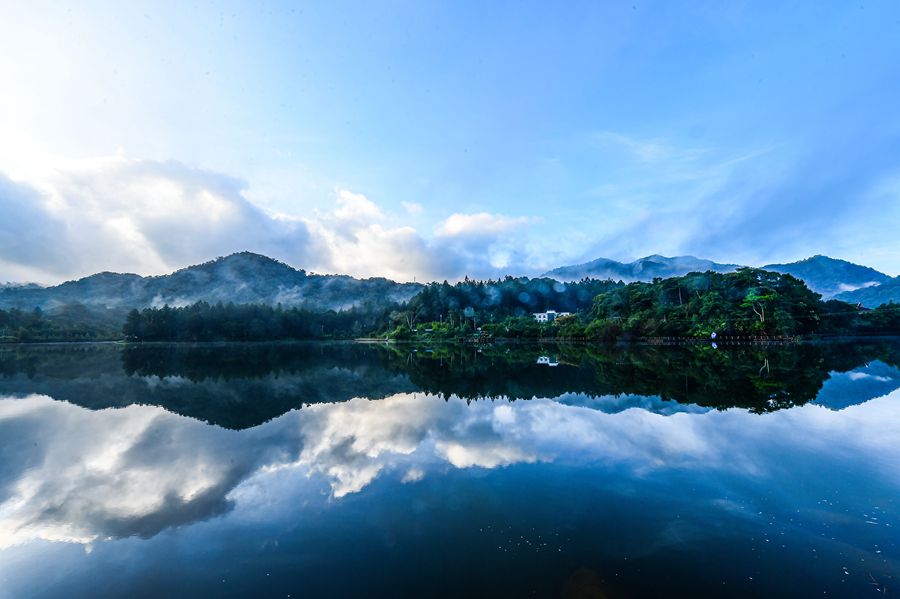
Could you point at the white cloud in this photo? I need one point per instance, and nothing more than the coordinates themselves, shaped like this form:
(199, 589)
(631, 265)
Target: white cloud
(131, 215)
(413, 208)
(480, 224)
(151, 217)
(492, 241)
(356, 208)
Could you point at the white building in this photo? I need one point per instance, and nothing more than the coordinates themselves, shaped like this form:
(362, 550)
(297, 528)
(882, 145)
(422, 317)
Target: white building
(549, 315)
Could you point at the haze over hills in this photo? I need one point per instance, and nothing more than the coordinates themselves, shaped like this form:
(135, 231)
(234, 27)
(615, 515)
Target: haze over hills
(12, 285)
(240, 278)
(642, 269)
(830, 276)
(873, 296)
(246, 278)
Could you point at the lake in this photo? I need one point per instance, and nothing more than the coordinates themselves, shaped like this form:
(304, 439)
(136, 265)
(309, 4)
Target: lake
(352, 470)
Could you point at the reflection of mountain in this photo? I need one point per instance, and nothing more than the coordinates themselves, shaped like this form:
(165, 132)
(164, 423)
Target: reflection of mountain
(243, 385)
(861, 384)
(613, 404)
(761, 379)
(234, 386)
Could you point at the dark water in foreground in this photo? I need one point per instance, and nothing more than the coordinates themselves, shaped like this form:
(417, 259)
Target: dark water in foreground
(344, 470)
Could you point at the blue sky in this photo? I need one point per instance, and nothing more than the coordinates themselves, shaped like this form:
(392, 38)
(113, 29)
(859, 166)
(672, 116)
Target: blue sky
(432, 140)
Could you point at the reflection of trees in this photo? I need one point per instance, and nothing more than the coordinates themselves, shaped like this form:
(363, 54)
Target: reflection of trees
(757, 378)
(244, 360)
(230, 385)
(243, 385)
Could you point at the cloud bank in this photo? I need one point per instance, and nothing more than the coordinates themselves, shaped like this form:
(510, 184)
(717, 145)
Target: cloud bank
(745, 205)
(152, 217)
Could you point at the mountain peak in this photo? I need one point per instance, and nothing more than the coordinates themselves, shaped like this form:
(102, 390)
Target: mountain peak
(243, 263)
(830, 276)
(248, 255)
(642, 269)
(242, 278)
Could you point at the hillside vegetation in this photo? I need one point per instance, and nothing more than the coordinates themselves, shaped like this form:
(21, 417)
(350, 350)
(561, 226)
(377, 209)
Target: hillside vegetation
(745, 302)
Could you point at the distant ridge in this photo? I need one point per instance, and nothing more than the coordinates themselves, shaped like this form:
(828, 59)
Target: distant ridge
(247, 277)
(872, 297)
(10, 285)
(643, 269)
(831, 276)
(243, 277)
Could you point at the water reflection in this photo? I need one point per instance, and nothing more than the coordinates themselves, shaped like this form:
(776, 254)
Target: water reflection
(138, 470)
(241, 386)
(128, 455)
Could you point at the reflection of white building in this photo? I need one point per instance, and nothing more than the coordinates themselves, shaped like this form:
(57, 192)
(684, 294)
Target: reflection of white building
(549, 315)
(547, 361)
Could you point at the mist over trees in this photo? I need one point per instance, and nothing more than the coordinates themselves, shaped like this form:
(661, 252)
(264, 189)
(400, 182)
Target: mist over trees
(746, 302)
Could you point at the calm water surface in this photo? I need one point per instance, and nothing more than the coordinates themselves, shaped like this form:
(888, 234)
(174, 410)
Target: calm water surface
(346, 470)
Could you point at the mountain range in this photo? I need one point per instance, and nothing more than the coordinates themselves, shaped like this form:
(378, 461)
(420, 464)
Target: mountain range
(246, 277)
(830, 277)
(873, 296)
(643, 269)
(240, 278)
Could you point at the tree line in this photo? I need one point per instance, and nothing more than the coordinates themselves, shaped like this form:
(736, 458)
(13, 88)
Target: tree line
(746, 302)
(23, 326)
(248, 322)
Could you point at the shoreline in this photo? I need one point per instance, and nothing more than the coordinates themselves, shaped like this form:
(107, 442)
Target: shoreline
(725, 341)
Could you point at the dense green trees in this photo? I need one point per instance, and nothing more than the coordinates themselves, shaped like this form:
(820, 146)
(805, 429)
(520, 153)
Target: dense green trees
(29, 326)
(746, 302)
(839, 318)
(248, 322)
(479, 302)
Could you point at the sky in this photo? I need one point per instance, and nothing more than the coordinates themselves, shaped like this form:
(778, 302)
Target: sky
(433, 140)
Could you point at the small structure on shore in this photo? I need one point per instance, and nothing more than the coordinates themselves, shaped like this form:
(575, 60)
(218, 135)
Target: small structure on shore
(549, 315)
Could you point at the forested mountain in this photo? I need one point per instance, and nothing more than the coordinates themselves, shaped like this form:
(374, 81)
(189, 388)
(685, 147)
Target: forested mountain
(247, 296)
(10, 285)
(243, 278)
(489, 301)
(874, 296)
(746, 302)
(830, 276)
(643, 269)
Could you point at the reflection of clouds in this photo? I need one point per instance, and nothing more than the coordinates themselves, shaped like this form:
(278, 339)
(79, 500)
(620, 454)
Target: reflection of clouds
(113, 473)
(72, 474)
